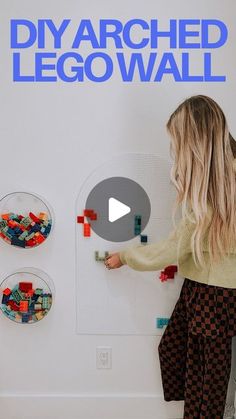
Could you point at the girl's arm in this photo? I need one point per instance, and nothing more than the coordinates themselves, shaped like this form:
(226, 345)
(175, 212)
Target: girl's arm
(154, 257)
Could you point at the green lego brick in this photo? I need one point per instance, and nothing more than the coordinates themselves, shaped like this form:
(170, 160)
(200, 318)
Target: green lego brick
(3, 224)
(17, 295)
(38, 291)
(30, 236)
(23, 235)
(26, 221)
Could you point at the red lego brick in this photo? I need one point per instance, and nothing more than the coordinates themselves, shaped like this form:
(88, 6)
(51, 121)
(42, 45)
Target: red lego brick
(80, 219)
(34, 218)
(88, 212)
(171, 269)
(7, 291)
(39, 238)
(163, 277)
(12, 223)
(13, 305)
(93, 216)
(87, 230)
(31, 243)
(30, 293)
(168, 272)
(25, 286)
(5, 216)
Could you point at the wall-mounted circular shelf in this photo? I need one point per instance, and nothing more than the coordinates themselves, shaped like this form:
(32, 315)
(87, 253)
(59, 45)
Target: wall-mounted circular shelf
(26, 295)
(26, 220)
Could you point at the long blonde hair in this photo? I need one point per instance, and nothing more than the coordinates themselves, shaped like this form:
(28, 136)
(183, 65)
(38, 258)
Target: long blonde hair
(203, 150)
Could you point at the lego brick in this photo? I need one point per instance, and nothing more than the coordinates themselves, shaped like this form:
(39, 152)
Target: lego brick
(161, 321)
(143, 238)
(35, 228)
(12, 223)
(38, 291)
(23, 235)
(23, 306)
(100, 258)
(88, 212)
(40, 238)
(26, 221)
(3, 223)
(39, 315)
(31, 243)
(13, 305)
(43, 216)
(34, 218)
(86, 230)
(80, 219)
(25, 317)
(25, 286)
(46, 302)
(5, 216)
(5, 299)
(15, 241)
(168, 272)
(7, 291)
(137, 220)
(30, 236)
(163, 277)
(17, 295)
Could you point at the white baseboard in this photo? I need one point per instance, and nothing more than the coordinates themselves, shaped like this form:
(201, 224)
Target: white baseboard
(87, 406)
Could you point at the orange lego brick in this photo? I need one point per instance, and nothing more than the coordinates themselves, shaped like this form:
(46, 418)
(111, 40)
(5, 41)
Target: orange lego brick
(87, 230)
(24, 306)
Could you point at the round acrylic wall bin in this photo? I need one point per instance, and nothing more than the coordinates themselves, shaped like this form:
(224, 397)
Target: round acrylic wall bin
(27, 295)
(26, 220)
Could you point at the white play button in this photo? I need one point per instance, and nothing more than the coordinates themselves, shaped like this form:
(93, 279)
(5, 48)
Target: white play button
(117, 201)
(116, 209)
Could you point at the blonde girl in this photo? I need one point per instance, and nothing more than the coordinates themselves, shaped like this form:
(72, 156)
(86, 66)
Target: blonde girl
(196, 347)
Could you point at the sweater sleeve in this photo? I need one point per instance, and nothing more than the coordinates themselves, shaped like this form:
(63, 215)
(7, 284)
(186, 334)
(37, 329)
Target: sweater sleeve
(154, 257)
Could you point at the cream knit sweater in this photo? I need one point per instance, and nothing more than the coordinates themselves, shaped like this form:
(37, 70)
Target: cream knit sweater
(175, 249)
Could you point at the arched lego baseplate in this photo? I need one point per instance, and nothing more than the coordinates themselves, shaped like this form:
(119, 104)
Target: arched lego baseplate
(124, 301)
(26, 219)
(27, 295)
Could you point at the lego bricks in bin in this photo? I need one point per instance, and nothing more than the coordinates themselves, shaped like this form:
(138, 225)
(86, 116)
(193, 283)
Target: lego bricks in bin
(25, 220)
(26, 297)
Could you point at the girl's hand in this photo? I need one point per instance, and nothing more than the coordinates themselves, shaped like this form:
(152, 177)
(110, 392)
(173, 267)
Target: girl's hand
(113, 261)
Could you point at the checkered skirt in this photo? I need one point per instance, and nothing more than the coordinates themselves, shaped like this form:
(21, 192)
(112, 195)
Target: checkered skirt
(195, 349)
(210, 309)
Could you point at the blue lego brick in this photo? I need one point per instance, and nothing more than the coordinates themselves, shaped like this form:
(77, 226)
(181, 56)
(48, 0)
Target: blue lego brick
(25, 317)
(35, 228)
(161, 321)
(18, 230)
(11, 231)
(5, 298)
(17, 242)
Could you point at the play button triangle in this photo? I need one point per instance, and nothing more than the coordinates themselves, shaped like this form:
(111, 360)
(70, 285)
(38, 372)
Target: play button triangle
(116, 209)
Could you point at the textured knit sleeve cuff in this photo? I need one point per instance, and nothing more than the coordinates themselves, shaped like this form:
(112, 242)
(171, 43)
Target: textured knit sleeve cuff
(122, 257)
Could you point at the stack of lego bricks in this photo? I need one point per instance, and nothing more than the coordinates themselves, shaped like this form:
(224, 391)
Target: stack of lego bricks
(24, 304)
(25, 231)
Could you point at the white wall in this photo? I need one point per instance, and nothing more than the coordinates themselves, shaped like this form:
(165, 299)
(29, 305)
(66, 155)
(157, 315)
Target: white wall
(52, 137)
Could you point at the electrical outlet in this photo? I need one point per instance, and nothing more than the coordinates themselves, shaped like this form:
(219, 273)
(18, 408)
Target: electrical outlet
(103, 357)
